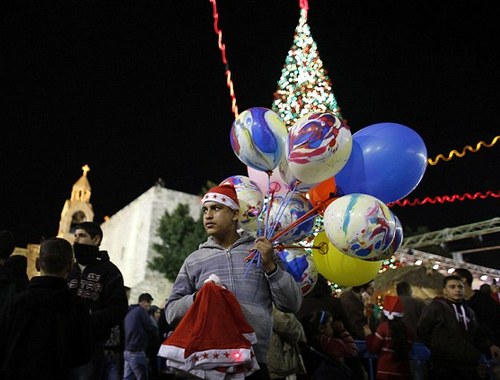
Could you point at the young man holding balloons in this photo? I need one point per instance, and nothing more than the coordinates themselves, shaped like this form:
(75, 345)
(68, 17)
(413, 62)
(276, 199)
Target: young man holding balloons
(225, 254)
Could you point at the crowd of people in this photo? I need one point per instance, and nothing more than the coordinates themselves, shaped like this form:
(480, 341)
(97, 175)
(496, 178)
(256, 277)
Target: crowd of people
(74, 321)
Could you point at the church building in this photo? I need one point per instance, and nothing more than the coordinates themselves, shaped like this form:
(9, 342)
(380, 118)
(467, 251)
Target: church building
(129, 235)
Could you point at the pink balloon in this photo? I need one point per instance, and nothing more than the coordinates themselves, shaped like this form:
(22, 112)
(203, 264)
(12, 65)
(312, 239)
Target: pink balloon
(261, 179)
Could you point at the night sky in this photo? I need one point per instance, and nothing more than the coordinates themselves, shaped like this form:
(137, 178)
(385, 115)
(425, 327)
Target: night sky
(137, 91)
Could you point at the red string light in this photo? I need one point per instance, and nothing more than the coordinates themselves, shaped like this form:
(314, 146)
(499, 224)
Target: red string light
(304, 5)
(445, 199)
(222, 48)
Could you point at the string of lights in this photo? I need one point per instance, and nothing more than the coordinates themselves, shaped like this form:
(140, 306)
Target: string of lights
(222, 48)
(464, 150)
(304, 87)
(445, 265)
(445, 199)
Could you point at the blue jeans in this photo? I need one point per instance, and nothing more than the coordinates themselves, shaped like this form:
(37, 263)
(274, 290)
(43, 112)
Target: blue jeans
(136, 365)
(112, 368)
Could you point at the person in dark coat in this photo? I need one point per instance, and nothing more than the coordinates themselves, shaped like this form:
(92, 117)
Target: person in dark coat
(354, 305)
(321, 298)
(413, 307)
(12, 278)
(99, 283)
(448, 326)
(486, 309)
(138, 327)
(45, 330)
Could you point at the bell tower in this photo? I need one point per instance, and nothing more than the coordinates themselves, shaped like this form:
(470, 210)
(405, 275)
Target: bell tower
(77, 209)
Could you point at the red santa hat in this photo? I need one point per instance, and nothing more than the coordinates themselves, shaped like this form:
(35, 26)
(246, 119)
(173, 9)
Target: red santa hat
(213, 340)
(393, 307)
(223, 194)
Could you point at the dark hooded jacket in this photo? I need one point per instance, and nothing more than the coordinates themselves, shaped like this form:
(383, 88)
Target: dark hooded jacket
(44, 332)
(100, 285)
(13, 278)
(452, 337)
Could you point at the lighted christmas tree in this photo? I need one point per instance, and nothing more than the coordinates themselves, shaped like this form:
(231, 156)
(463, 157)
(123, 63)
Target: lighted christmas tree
(304, 86)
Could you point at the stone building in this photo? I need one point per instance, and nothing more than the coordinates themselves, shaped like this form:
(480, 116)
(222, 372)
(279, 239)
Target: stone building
(129, 236)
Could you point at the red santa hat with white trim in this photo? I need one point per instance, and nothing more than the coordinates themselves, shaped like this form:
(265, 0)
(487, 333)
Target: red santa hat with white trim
(393, 307)
(213, 340)
(223, 194)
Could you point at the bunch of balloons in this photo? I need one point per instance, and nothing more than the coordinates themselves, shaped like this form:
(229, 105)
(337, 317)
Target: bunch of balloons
(318, 168)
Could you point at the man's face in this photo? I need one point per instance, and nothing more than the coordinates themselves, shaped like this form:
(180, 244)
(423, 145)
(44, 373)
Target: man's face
(454, 291)
(218, 220)
(83, 237)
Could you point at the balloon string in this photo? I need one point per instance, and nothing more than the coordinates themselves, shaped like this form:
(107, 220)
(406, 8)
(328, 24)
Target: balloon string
(461, 154)
(296, 223)
(281, 247)
(445, 198)
(253, 259)
(270, 197)
(286, 200)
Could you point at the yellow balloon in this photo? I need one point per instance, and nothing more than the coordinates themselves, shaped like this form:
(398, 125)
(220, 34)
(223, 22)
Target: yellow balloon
(344, 270)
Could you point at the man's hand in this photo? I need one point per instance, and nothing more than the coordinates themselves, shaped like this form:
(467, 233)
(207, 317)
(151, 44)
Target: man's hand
(367, 330)
(265, 247)
(495, 352)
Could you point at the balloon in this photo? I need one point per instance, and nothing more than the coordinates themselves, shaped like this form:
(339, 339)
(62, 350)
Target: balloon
(342, 269)
(396, 242)
(291, 181)
(250, 198)
(301, 266)
(319, 145)
(359, 225)
(258, 138)
(323, 193)
(285, 211)
(276, 185)
(387, 161)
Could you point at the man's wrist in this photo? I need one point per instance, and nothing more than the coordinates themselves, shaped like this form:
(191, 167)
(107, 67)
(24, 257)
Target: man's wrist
(271, 269)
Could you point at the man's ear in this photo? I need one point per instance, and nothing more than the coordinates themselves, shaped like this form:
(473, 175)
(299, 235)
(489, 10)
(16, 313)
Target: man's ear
(236, 215)
(97, 240)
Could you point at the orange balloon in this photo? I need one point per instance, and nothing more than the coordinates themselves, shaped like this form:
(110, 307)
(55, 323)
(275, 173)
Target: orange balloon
(323, 193)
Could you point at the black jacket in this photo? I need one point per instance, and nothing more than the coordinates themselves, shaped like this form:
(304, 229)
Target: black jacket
(44, 332)
(100, 285)
(448, 341)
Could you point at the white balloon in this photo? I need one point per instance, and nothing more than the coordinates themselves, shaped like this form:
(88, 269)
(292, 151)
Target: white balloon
(319, 145)
(359, 225)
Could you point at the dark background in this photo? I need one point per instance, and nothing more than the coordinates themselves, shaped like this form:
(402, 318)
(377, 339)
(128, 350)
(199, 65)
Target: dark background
(136, 89)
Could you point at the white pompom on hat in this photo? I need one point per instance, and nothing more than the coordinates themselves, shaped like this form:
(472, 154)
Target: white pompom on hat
(223, 194)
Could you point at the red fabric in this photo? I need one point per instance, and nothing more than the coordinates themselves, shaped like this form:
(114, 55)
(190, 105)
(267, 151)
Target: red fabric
(393, 304)
(496, 297)
(213, 335)
(338, 347)
(206, 326)
(388, 366)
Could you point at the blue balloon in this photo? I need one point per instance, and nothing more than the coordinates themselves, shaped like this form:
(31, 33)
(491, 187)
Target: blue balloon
(387, 161)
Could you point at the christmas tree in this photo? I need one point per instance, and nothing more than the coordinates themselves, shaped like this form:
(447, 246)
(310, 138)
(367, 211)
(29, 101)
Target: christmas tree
(304, 86)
